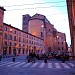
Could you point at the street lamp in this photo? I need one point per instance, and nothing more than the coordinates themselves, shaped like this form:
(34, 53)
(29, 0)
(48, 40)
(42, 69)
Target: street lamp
(57, 36)
(10, 29)
(42, 26)
(64, 41)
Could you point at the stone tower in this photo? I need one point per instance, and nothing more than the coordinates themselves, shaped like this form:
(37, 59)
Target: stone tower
(25, 21)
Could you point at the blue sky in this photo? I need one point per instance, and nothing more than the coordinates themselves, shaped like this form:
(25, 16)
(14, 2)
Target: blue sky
(54, 10)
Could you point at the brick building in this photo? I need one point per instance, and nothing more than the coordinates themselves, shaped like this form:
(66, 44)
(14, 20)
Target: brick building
(15, 41)
(71, 16)
(37, 35)
(54, 40)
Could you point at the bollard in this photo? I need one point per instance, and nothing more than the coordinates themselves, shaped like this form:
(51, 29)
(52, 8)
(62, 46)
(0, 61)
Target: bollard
(45, 60)
(28, 60)
(63, 60)
(13, 59)
(0, 59)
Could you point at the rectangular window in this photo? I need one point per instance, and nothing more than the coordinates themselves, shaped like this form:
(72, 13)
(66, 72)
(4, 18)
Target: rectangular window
(10, 37)
(23, 51)
(14, 38)
(58, 42)
(62, 48)
(26, 51)
(5, 36)
(14, 44)
(19, 33)
(23, 40)
(19, 45)
(41, 34)
(62, 42)
(14, 32)
(26, 36)
(58, 48)
(27, 41)
(10, 51)
(49, 49)
(32, 42)
(32, 37)
(5, 28)
(10, 44)
(19, 50)
(23, 45)
(19, 39)
(5, 42)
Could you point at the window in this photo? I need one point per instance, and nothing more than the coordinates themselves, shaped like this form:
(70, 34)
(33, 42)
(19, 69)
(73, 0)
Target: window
(19, 50)
(10, 44)
(49, 49)
(32, 42)
(49, 30)
(58, 42)
(23, 40)
(62, 38)
(32, 37)
(26, 51)
(14, 32)
(27, 46)
(5, 28)
(38, 51)
(19, 33)
(62, 48)
(23, 51)
(10, 51)
(27, 41)
(41, 34)
(14, 44)
(29, 37)
(23, 45)
(19, 45)
(14, 38)
(5, 36)
(58, 48)
(62, 42)
(5, 42)
(10, 37)
(26, 36)
(19, 39)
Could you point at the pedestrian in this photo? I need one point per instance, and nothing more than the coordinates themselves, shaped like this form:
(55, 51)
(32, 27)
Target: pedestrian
(45, 58)
(29, 57)
(0, 57)
(63, 58)
(34, 57)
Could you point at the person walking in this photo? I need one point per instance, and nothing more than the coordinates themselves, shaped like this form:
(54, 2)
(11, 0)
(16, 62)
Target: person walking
(34, 57)
(0, 57)
(45, 58)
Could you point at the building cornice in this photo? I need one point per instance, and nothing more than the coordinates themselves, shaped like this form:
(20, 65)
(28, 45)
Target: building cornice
(21, 30)
(2, 8)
